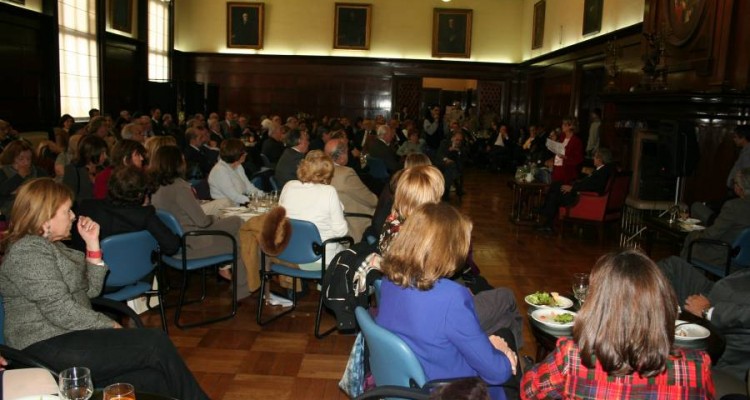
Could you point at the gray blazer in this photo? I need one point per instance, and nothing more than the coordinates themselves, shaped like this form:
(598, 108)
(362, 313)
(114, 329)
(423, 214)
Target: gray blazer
(46, 289)
(733, 218)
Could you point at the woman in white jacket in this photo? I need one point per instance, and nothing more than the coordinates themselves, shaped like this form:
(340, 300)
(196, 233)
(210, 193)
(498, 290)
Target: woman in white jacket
(312, 198)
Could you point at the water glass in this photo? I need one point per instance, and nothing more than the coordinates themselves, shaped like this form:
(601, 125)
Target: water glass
(119, 391)
(580, 286)
(75, 384)
(684, 211)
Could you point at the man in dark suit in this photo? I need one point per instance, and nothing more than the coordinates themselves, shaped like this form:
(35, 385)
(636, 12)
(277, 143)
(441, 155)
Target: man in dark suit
(297, 143)
(450, 159)
(567, 195)
(199, 159)
(273, 146)
(380, 147)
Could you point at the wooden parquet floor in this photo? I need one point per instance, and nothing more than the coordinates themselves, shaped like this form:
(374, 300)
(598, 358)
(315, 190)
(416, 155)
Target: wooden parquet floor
(237, 359)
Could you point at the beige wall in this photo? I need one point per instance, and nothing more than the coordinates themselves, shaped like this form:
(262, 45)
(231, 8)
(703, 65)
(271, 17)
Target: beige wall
(564, 22)
(400, 28)
(34, 5)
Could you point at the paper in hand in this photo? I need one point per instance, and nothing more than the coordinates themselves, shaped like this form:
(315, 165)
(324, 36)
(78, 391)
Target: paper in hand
(555, 147)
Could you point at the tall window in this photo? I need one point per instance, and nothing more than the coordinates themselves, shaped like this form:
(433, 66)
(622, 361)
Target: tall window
(158, 40)
(79, 71)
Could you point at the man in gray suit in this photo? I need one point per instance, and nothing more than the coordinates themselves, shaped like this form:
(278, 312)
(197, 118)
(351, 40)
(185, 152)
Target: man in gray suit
(726, 303)
(733, 218)
(353, 194)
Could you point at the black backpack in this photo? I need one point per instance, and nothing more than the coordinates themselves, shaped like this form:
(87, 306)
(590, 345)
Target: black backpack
(352, 269)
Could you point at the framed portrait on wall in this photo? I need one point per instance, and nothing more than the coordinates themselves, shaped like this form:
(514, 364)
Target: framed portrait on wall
(537, 33)
(121, 15)
(683, 18)
(245, 25)
(592, 16)
(352, 26)
(451, 33)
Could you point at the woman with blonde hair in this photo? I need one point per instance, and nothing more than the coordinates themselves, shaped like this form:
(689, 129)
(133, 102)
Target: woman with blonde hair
(434, 315)
(155, 142)
(312, 198)
(416, 186)
(385, 199)
(46, 288)
(623, 341)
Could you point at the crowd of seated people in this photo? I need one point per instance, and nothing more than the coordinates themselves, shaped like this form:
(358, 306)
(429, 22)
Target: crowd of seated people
(119, 173)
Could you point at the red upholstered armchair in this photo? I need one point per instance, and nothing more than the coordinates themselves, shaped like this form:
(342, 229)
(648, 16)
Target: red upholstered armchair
(596, 209)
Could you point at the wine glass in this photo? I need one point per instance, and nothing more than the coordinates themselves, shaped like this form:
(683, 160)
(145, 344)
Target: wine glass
(119, 391)
(684, 212)
(580, 286)
(75, 384)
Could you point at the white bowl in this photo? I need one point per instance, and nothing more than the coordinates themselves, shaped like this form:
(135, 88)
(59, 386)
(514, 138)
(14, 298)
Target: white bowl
(564, 303)
(545, 316)
(688, 332)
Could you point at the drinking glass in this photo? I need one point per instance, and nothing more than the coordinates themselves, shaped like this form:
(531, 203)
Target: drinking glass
(580, 286)
(119, 391)
(75, 384)
(684, 212)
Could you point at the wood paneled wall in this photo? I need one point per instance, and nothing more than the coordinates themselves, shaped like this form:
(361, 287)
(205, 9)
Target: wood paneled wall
(28, 67)
(327, 85)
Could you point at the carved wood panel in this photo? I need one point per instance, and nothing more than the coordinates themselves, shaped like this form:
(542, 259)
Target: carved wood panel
(491, 98)
(407, 94)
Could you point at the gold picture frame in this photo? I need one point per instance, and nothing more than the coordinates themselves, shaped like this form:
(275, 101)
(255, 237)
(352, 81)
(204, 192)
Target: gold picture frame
(121, 15)
(245, 25)
(352, 26)
(537, 38)
(451, 32)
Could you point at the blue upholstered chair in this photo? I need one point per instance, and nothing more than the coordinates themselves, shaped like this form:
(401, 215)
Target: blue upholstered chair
(305, 246)
(738, 254)
(129, 257)
(180, 261)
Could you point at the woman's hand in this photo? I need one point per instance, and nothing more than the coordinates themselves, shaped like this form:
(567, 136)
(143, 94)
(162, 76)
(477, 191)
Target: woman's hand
(89, 231)
(3, 363)
(501, 345)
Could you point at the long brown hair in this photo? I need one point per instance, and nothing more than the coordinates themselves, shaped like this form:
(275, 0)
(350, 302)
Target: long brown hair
(37, 202)
(627, 322)
(431, 244)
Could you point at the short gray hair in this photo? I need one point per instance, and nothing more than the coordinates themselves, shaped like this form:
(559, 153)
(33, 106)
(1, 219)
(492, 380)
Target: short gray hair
(127, 130)
(339, 149)
(293, 137)
(382, 130)
(604, 154)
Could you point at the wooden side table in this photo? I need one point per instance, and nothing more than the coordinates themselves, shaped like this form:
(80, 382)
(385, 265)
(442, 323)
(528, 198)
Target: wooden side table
(527, 199)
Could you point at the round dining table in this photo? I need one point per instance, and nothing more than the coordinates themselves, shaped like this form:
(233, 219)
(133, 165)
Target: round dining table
(546, 337)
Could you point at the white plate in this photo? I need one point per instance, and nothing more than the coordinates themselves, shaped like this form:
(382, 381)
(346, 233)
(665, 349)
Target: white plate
(40, 397)
(234, 209)
(690, 332)
(546, 317)
(690, 221)
(564, 303)
(690, 228)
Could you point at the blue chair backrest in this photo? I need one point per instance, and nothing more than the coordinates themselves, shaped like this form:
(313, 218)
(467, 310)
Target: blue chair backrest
(300, 247)
(2, 320)
(377, 168)
(391, 360)
(170, 221)
(742, 259)
(128, 256)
